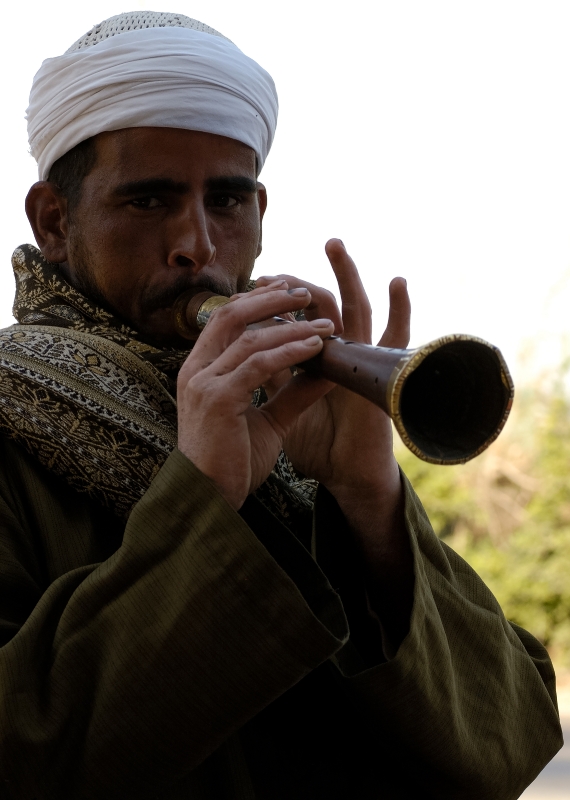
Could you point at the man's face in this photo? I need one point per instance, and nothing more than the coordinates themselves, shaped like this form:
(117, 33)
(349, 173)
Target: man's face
(164, 210)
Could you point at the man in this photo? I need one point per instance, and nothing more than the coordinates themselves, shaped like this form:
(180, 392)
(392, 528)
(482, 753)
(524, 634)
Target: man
(176, 620)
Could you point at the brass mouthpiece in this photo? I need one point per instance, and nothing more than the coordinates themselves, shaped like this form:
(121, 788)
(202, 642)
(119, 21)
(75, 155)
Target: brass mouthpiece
(192, 310)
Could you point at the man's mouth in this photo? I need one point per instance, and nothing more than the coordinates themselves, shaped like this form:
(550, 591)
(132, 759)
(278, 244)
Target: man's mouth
(164, 299)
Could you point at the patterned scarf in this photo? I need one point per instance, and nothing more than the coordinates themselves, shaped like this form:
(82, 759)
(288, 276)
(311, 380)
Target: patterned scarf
(95, 404)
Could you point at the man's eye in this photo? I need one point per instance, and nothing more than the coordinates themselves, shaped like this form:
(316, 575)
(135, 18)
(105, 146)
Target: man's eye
(225, 201)
(146, 202)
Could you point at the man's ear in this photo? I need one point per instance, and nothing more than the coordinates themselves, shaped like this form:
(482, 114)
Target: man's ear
(47, 211)
(262, 200)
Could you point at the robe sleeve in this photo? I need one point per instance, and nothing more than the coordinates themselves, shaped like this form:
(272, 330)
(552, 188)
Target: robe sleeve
(468, 698)
(120, 677)
(117, 678)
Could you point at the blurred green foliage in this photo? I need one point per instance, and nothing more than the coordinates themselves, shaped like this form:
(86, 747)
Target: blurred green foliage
(508, 514)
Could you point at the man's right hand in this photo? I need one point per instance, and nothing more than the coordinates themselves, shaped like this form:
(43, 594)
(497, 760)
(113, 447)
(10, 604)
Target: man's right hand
(219, 430)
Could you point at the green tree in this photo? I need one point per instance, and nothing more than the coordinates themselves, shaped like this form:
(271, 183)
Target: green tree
(508, 514)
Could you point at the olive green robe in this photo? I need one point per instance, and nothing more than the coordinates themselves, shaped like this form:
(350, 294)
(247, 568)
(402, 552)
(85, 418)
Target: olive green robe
(201, 653)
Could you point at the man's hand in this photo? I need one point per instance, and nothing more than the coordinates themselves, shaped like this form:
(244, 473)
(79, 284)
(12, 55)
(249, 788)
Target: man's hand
(350, 438)
(328, 432)
(345, 442)
(229, 440)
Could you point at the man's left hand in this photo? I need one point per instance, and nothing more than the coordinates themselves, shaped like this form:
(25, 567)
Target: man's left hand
(345, 442)
(350, 438)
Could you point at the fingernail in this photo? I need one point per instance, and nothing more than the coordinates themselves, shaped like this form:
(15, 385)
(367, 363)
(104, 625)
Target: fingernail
(321, 323)
(301, 292)
(312, 341)
(267, 278)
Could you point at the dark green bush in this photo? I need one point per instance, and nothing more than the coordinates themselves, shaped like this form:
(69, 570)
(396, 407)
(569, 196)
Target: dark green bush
(508, 514)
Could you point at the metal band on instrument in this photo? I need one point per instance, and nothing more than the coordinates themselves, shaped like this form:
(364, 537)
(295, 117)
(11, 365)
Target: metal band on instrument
(207, 307)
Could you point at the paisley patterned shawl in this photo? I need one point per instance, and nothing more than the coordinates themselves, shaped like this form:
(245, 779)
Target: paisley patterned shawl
(94, 403)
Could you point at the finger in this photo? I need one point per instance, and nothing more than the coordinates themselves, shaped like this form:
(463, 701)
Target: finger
(228, 322)
(277, 283)
(264, 339)
(258, 340)
(356, 309)
(278, 380)
(265, 280)
(238, 385)
(322, 304)
(295, 397)
(397, 333)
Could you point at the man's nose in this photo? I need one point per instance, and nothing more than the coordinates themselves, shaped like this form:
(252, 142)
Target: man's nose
(191, 245)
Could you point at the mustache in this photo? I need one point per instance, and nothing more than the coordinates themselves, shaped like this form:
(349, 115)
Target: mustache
(166, 297)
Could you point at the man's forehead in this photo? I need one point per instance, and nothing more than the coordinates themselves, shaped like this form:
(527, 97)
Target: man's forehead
(151, 150)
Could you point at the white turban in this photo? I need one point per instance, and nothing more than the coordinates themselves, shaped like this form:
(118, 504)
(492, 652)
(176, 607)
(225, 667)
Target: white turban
(164, 77)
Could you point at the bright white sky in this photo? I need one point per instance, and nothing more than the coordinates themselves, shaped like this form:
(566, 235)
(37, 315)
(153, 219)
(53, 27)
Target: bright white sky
(432, 137)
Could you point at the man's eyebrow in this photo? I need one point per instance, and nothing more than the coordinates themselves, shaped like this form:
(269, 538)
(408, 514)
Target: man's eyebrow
(151, 186)
(232, 183)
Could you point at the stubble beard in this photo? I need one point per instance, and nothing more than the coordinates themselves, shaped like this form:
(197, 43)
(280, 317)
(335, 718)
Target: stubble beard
(82, 274)
(83, 278)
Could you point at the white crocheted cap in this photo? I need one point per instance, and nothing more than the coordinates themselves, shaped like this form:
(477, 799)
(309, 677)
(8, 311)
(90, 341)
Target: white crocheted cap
(149, 69)
(137, 20)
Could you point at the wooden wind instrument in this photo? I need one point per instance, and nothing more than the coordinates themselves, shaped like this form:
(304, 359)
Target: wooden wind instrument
(448, 399)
